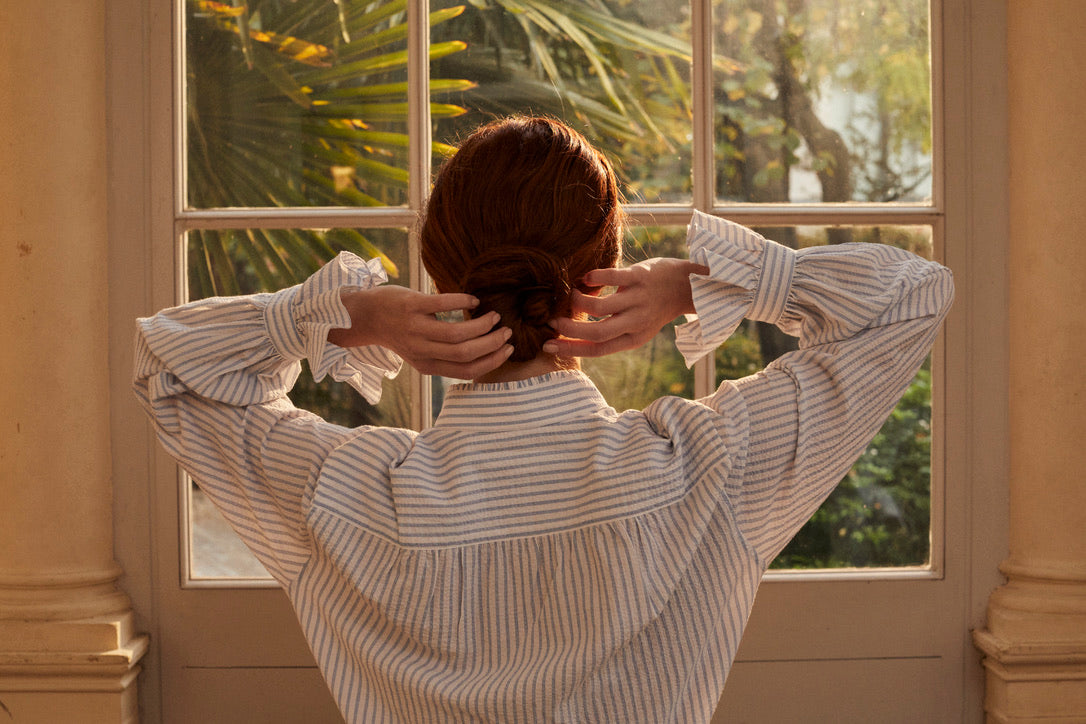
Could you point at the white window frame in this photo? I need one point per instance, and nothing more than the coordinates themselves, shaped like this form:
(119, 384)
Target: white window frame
(704, 199)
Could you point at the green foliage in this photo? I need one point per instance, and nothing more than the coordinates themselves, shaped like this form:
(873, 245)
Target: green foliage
(244, 261)
(740, 355)
(619, 71)
(633, 379)
(337, 402)
(304, 102)
(229, 257)
(295, 104)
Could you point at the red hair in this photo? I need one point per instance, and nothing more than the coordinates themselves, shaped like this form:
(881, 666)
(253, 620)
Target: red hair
(517, 216)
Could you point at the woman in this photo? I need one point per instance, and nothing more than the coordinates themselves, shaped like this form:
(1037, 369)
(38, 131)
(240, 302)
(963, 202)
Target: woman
(535, 555)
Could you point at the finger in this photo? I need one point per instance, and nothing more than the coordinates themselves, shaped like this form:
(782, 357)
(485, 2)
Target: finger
(456, 332)
(470, 370)
(489, 363)
(563, 347)
(598, 306)
(604, 329)
(472, 349)
(609, 277)
(435, 303)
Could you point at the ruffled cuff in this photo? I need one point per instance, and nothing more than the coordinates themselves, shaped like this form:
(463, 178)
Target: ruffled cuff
(298, 320)
(749, 278)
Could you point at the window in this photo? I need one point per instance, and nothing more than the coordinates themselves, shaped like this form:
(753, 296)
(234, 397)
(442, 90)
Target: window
(313, 126)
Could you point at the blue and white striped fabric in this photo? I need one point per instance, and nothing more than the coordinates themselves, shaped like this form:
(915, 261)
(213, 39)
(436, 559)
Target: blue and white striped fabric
(537, 556)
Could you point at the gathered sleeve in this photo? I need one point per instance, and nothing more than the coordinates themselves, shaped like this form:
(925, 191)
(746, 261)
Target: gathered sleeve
(866, 316)
(213, 376)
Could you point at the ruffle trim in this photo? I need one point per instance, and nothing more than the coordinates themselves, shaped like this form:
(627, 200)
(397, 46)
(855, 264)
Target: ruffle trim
(300, 318)
(740, 261)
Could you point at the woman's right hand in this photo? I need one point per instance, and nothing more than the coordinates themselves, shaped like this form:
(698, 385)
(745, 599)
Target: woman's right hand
(405, 321)
(649, 295)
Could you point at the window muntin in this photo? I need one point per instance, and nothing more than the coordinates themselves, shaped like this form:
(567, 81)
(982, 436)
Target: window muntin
(678, 156)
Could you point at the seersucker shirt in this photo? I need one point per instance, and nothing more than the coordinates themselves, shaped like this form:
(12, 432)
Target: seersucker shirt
(536, 556)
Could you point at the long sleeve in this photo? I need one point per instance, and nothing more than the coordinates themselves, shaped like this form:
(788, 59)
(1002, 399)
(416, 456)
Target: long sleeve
(866, 316)
(213, 375)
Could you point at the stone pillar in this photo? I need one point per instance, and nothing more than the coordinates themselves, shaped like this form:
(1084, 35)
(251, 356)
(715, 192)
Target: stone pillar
(68, 652)
(1035, 641)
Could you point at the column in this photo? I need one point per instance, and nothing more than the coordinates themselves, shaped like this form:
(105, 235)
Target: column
(68, 651)
(1035, 640)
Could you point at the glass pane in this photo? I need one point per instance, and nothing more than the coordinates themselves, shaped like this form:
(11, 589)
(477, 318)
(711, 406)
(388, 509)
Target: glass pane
(249, 261)
(822, 100)
(880, 514)
(295, 104)
(616, 70)
(215, 550)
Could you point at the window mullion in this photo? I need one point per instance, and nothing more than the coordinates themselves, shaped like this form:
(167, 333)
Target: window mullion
(418, 85)
(702, 102)
(701, 43)
(936, 40)
(419, 155)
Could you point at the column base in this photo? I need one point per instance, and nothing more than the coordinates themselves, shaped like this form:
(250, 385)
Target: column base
(1035, 647)
(70, 671)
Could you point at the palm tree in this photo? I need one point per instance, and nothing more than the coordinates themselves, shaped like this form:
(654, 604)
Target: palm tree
(294, 104)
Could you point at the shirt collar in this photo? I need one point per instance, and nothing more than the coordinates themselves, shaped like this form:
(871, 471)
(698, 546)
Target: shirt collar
(537, 401)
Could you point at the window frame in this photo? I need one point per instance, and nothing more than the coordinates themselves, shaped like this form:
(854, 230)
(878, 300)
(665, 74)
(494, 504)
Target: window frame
(703, 199)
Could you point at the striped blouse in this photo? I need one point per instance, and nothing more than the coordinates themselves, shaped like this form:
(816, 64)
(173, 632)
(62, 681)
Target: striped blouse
(536, 556)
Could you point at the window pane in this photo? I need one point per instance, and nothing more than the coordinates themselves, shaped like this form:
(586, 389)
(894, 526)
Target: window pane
(294, 104)
(215, 550)
(618, 71)
(880, 514)
(248, 261)
(822, 101)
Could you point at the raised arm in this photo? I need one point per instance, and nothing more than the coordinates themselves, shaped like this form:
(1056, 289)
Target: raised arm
(866, 316)
(213, 376)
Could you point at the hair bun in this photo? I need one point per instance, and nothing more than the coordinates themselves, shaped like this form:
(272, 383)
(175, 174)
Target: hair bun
(527, 286)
